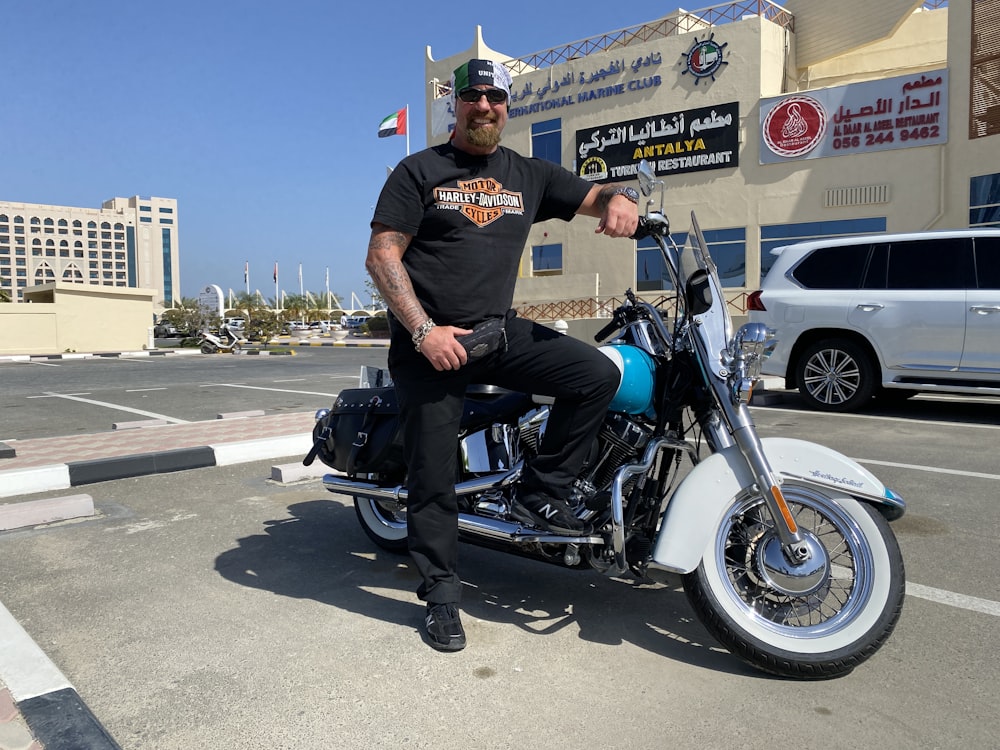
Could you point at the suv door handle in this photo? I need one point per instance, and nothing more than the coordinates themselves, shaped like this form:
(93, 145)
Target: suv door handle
(985, 309)
(870, 306)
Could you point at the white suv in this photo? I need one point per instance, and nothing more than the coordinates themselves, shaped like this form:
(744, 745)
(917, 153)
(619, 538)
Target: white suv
(884, 315)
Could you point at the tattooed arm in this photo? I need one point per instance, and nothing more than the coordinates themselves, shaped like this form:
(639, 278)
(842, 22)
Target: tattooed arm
(619, 216)
(385, 266)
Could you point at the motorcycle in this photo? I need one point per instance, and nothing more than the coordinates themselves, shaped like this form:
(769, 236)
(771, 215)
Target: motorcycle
(227, 340)
(784, 546)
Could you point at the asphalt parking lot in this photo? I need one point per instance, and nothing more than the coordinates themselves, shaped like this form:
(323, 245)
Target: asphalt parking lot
(218, 608)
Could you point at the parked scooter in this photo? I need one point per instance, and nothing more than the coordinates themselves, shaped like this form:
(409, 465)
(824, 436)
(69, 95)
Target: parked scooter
(227, 340)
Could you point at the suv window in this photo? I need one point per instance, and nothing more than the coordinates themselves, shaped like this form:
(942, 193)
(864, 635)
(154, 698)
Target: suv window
(921, 264)
(833, 267)
(988, 262)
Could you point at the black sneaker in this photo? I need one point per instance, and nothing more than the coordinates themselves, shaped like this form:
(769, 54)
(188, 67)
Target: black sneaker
(444, 628)
(549, 513)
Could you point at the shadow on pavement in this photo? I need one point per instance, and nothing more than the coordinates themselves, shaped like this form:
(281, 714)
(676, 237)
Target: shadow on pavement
(321, 553)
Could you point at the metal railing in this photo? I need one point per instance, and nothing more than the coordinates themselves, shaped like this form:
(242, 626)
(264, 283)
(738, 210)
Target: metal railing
(679, 23)
(603, 307)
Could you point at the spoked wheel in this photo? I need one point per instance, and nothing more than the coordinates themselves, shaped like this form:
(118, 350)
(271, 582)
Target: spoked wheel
(815, 620)
(384, 521)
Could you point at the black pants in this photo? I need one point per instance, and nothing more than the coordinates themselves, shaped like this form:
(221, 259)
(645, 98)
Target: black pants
(538, 360)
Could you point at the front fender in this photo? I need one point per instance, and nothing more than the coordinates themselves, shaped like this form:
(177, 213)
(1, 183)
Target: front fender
(695, 510)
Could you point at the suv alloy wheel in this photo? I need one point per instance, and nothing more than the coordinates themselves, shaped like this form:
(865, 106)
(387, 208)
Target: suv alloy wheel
(835, 375)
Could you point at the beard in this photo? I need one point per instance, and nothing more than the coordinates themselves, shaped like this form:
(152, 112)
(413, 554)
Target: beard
(483, 137)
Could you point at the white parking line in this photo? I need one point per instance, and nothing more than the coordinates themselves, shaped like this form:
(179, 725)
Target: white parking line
(143, 390)
(260, 388)
(904, 420)
(116, 407)
(933, 469)
(952, 599)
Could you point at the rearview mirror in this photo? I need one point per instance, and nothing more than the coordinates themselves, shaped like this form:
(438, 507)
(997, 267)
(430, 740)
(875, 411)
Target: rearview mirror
(647, 177)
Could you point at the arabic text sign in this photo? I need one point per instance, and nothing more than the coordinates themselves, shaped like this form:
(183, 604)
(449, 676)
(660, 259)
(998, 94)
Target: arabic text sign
(898, 112)
(677, 142)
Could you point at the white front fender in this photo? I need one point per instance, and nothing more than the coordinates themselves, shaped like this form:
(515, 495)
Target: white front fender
(704, 495)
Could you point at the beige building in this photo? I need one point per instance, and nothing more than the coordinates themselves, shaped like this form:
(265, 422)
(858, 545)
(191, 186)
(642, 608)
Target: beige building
(800, 121)
(127, 243)
(60, 317)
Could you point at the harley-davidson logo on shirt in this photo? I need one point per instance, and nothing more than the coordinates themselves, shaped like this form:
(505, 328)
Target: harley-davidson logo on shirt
(482, 201)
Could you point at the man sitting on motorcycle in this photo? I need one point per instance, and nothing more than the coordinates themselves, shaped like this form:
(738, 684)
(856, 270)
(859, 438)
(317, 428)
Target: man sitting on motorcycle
(443, 263)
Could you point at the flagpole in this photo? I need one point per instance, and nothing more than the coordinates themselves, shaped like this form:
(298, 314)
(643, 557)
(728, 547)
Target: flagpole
(407, 129)
(246, 277)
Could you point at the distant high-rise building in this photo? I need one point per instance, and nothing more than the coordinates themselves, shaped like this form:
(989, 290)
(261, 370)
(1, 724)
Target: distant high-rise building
(128, 242)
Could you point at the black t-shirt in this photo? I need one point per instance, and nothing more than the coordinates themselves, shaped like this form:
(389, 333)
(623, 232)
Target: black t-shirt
(469, 217)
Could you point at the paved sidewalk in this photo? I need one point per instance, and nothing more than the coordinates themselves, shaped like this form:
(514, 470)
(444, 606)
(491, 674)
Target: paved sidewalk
(35, 699)
(14, 731)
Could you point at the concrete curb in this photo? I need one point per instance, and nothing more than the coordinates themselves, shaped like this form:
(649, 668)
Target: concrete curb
(45, 699)
(62, 476)
(187, 351)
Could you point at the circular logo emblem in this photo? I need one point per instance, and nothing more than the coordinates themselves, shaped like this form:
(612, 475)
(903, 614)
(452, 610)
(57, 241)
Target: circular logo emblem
(795, 126)
(594, 169)
(704, 58)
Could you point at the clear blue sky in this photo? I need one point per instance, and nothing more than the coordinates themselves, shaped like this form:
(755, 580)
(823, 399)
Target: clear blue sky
(260, 118)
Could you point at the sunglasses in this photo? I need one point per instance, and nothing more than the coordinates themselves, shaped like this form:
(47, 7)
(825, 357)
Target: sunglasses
(493, 96)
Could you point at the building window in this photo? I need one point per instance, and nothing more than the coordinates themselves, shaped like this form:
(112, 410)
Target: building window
(727, 247)
(984, 201)
(546, 140)
(650, 271)
(146, 219)
(166, 210)
(44, 273)
(777, 235)
(168, 277)
(145, 209)
(546, 260)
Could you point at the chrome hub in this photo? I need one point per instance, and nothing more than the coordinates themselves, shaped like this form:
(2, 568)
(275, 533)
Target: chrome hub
(808, 573)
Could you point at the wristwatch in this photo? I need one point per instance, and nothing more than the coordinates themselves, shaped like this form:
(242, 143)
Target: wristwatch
(629, 192)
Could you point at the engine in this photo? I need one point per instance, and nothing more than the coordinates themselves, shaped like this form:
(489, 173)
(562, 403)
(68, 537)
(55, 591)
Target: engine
(621, 440)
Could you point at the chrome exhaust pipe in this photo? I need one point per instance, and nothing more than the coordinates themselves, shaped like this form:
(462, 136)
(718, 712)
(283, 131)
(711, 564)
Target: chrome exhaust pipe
(489, 528)
(399, 493)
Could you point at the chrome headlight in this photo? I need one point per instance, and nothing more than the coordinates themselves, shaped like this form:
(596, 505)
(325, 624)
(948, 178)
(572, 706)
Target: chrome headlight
(751, 345)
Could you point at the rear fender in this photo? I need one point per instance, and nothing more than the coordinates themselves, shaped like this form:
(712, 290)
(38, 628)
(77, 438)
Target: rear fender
(701, 499)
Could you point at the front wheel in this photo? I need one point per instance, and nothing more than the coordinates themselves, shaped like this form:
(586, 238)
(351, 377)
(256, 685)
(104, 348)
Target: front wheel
(813, 621)
(384, 521)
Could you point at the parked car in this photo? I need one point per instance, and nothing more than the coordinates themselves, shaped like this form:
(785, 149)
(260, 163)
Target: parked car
(886, 315)
(165, 331)
(323, 326)
(353, 323)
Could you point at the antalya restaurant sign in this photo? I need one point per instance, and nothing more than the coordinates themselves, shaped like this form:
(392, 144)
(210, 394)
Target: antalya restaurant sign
(689, 141)
(859, 118)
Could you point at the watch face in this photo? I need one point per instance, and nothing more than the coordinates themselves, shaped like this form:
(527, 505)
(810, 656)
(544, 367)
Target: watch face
(629, 193)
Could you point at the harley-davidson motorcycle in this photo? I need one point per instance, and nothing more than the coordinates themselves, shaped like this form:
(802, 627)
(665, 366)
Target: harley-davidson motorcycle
(784, 546)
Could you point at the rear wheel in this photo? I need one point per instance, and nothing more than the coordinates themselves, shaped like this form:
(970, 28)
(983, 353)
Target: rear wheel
(835, 375)
(208, 348)
(816, 620)
(384, 521)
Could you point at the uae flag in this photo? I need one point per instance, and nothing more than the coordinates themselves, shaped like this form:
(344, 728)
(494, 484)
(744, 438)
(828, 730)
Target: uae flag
(394, 124)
